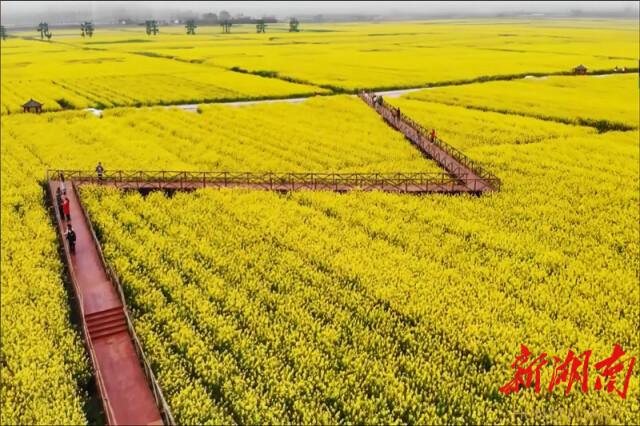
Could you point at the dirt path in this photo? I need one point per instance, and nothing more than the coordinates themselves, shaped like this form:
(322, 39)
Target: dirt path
(194, 107)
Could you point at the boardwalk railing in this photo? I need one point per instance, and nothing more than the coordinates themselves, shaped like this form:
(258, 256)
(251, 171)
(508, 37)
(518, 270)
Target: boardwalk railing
(158, 396)
(184, 180)
(461, 158)
(108, 410)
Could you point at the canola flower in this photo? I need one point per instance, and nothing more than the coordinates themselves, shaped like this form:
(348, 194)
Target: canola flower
(125, 68)
(315, 307)
(44, 367)
(77, 79)
(470, 129)
(371, 307)
(415, 54)
(343, 136)
(603, 101)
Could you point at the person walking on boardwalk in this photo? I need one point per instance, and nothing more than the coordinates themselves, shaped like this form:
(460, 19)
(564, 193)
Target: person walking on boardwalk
(433, 135)
(59, 202)
(65, 208)
(398, 113)
(380, 100)
(63, 185)
(71, 238)
(99, 170)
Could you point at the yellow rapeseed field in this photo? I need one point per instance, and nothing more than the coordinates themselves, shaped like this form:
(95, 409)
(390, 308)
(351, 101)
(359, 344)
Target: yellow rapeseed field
(605, 101)
(337, 134)
(377, 308)
(408, 54)
(127, 67)
(315, 307)
(63, 76)
(42, 358)
(43, 362)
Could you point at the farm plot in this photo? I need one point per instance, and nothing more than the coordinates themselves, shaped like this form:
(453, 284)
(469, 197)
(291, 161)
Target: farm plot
(364, 308)
(64, 76)
(608, 102)
(317, 307)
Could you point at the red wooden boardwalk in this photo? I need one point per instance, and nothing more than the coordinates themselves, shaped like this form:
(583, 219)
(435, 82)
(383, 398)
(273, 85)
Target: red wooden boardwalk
(452, 160)
(415, 183)
(416, 188)
(126, 394)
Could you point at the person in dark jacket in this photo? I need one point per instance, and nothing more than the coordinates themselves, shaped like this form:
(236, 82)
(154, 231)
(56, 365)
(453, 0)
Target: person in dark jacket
(99, 170)
(59, 202)
(71, 238)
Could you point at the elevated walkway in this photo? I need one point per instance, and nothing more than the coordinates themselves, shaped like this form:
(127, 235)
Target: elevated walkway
(471, 174)
(126, 383)
(414, 183)
(128, 396)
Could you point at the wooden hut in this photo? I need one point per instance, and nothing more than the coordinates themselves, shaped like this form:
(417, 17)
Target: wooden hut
(580, 70)
(32, 105)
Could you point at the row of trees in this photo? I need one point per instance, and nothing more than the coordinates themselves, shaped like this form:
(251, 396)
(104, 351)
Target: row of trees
(152, 27)
(227, 24)
(293, 26)
(213, 19)
(43, 28)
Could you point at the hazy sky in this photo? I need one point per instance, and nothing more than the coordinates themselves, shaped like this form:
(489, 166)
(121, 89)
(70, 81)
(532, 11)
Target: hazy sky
(16, 11)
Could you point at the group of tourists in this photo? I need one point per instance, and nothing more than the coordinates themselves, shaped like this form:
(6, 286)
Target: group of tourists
(64, 207)
(65, 213)
(377, 99)
(62, 199)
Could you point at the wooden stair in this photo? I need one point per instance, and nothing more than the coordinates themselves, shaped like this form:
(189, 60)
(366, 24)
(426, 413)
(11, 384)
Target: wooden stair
(106, 323)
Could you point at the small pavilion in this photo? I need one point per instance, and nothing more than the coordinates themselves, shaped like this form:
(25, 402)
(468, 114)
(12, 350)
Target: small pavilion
(580, 70)
(32, 105)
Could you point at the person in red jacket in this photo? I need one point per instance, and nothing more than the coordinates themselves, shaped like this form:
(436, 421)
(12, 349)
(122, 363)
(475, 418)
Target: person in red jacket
(433, 135)
(65, 208)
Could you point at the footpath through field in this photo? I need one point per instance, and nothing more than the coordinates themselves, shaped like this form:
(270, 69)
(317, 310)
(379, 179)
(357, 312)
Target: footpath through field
(169, 180)
(126, 395)
(386, 93)
(462, 175)
(458, 165)
(194, 107)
